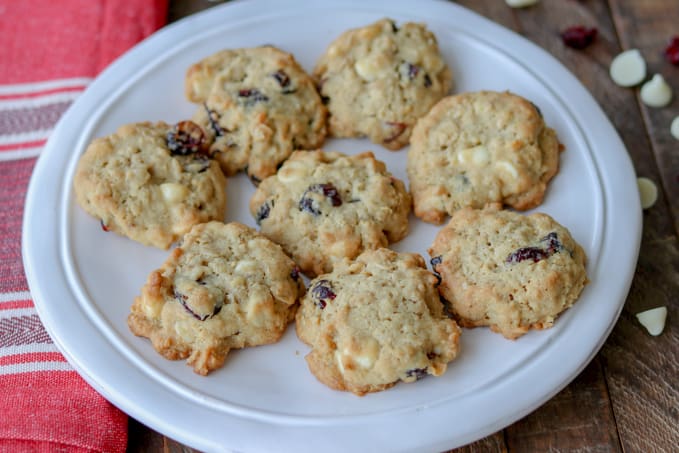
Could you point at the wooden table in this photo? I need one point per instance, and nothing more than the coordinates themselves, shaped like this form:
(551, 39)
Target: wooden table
(627, 399)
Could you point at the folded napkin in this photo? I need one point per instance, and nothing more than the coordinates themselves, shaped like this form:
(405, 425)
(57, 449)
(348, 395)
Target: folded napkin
(49, 52)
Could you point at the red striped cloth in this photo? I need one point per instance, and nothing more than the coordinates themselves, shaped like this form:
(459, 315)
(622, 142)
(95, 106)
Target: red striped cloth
(50, 51)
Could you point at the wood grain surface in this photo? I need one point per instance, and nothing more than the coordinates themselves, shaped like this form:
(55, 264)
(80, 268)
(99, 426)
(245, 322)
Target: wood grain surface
(627, 398)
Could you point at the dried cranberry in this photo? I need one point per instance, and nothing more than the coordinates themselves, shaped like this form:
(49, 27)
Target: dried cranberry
(328, 190)
(447, 307)
(263, 212)
(439, 279)
(672, 51)
(417, 373)
(321, 293)
(413, 70)
(552, 246)
(183, 299)
(104, 226)
(186, 137)
(527, 253)
(537, 109)
(281, 77)
(578, 37)
(252, 95)
(307, 205)
(435, 261)
(213, 118)
(254, 180)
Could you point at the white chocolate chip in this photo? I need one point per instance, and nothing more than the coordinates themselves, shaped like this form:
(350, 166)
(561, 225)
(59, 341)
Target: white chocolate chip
(257, 307)
(628, 68)
(509, 168)
(367, 68)
(152, 307)
(478, 155)
(521, 3)
(238, 282)
(339, 248)
(656, 92)
(340, 365)
(653, 320)
(648, 192)
(184, 330)
(173, 192)
(368, 353)
(291, 171)
(674, 127)
(409, 53)
(261, 132)
(246, 267)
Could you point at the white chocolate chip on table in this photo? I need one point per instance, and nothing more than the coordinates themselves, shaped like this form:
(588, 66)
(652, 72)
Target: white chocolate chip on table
(520, 3)
(628, 68)
(674, 127)
(656, 92)
(653, 320)
(648, 192)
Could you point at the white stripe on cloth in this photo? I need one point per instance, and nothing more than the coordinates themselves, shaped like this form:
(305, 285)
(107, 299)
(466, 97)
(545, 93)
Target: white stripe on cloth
(47, 85)
(28, 349)
(15, 296)
(18, 312)
(39, 101)
(32, 136)
(21, 153)
(32, 367)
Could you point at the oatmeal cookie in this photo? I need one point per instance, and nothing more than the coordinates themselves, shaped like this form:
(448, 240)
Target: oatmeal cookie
(506, 270)
(257, 106)
(325, 206)
(150, 182)
(225, 287)
(477, 148)
(379, 79)
(376, 321)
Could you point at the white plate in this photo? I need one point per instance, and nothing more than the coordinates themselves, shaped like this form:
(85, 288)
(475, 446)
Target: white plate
(264, 399)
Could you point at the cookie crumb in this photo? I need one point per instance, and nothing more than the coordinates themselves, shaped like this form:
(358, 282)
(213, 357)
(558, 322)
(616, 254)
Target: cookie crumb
(648, 192)
(628, 68)
(653, 320)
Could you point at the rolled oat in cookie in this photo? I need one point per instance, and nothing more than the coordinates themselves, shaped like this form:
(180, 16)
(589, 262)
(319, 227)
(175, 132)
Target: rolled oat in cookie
(323, 206)
(377, 81)
(257, 106)
(506, 270)
(151, 182)
(375, 321)
(478, 148)
(225, 287)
